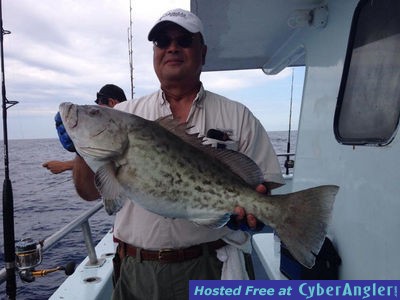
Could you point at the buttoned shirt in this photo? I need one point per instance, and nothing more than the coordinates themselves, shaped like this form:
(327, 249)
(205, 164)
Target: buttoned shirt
(141, 228)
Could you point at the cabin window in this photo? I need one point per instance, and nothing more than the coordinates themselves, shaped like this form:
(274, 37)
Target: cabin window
(368, 106)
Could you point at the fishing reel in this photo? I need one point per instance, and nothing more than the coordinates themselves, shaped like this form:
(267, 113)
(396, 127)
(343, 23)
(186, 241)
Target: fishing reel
(289, 163)
(28, 255)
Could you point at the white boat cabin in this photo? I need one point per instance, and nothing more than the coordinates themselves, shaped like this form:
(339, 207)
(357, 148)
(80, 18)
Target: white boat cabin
(347, 132)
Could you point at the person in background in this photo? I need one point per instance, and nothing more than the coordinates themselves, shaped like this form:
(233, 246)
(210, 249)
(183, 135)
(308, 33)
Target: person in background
(157, 256)
(109, 95)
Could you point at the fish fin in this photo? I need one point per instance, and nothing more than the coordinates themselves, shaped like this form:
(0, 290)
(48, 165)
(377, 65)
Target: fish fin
(213, 223)
(305, 217)
(237, 162)
(112, 206)
(109, 188)
(240, 164)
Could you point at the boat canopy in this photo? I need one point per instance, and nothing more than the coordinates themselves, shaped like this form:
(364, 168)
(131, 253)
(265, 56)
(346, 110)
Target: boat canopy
(266, 34)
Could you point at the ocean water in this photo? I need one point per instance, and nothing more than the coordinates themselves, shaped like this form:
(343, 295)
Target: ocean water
(45, 202)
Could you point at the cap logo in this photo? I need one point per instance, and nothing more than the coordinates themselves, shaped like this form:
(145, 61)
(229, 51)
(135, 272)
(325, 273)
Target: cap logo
(174, 14)
(180, 17)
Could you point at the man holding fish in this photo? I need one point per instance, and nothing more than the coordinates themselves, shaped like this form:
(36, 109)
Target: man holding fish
(158, 255)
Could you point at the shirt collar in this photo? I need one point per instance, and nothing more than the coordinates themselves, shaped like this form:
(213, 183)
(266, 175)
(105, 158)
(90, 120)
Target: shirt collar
(198, 101)
(200, 97)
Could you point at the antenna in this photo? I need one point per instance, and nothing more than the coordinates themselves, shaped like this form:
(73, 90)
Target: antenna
(130, 48)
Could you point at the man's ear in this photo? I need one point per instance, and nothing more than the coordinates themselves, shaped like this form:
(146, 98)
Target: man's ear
(112, 102)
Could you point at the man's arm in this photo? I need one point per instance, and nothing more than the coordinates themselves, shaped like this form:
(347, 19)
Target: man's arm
(56, 166)
(83, 178)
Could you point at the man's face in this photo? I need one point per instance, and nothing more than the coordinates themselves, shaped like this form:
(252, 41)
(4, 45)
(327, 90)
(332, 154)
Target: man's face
(178, 55)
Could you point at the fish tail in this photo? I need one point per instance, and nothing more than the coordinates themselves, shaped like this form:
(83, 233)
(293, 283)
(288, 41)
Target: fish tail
(303, 225)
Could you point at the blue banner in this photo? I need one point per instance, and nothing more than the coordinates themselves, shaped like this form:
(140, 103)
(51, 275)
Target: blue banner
(293, 289)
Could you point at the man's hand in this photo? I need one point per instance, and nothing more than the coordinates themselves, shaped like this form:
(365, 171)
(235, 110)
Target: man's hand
(247, 222)
(57, 167)
(63, 135)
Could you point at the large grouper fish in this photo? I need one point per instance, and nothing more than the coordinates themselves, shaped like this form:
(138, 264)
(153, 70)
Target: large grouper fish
(158, 165)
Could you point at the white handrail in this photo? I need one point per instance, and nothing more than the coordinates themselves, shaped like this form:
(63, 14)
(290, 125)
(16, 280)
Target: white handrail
(52, 240)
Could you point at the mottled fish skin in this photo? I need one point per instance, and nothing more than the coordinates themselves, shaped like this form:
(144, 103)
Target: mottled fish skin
(159, 166)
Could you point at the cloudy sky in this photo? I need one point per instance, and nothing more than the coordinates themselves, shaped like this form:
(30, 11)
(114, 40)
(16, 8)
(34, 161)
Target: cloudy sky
(65, 50)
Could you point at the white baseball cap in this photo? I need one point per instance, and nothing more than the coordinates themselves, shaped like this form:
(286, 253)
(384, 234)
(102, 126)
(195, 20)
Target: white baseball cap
(181, 17)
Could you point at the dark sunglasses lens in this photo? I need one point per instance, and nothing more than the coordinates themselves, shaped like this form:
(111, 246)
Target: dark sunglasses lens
(184, 41)
(162, 42)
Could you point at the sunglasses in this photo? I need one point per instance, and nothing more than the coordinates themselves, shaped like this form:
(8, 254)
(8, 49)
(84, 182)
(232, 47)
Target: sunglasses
(164, 41)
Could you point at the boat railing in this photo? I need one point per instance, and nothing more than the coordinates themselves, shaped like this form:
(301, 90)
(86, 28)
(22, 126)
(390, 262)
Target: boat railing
(83, 221)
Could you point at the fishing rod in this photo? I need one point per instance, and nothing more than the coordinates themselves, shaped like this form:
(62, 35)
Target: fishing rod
(8, 201)
(130, 49)
(289, 163)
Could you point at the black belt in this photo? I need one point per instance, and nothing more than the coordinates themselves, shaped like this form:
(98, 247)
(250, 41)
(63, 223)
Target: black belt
(168, 255)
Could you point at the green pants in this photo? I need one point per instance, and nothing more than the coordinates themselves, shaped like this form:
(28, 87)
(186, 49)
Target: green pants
(156, 280)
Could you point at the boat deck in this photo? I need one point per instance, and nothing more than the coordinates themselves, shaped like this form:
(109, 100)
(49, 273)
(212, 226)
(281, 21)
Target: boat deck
(91, 282)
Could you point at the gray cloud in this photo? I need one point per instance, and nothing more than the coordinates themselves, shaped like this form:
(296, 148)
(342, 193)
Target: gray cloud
(65, 50)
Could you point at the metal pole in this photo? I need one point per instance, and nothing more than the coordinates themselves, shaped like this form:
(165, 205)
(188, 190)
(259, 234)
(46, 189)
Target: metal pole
(8, 201)
(87, 235)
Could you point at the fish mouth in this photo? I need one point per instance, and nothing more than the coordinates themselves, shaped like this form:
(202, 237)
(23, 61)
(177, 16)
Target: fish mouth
(69, 114)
